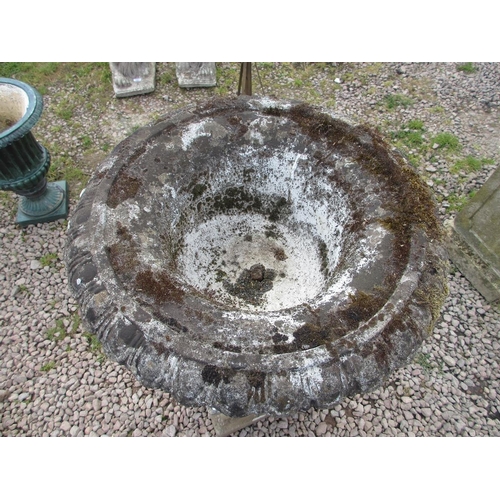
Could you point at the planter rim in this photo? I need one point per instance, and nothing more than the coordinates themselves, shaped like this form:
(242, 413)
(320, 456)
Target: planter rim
(31, 116)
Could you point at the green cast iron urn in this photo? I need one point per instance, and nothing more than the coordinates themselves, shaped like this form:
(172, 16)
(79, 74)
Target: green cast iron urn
(23, 161)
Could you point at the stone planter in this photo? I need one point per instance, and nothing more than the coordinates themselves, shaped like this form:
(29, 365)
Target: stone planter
(257, 257)
(23, 161)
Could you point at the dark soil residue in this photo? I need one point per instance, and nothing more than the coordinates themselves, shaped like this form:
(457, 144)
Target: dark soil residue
(252, 284)
(158, 286)
(123, 188)
(123, 254)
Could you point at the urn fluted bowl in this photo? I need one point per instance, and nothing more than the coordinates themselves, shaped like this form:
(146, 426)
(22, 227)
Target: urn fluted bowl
(257, 256)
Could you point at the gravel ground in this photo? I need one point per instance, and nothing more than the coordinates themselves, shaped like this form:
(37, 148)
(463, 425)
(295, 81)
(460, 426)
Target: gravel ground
(54, 378)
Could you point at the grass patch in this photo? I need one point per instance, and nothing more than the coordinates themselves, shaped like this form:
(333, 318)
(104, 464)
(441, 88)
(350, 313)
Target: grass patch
(24, 289)
(48, 366)
(9, 201)
(91, 80)
(64, 168)
(470, 164)
(48, 259)
(65, 109)
(86, 142)
(95, 346)
(167, 77)
(410, 138)
(447, 141)
(437, 109)
(393, 101)
(57, 332)
(39, 75)
(424, 360)
(410, 135)
(457, 201)
(76, 322)
(466, 67)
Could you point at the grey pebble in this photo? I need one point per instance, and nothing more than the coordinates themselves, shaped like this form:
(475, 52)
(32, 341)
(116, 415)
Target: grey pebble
(449, 361)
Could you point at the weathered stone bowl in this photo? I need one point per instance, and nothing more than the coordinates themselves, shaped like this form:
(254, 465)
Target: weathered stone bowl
(257, 256)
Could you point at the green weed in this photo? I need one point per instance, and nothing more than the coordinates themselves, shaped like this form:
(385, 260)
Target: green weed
(410, 134)
(437, 109)
(410, 138)
(48, 259)
(95, 346)
(76, 322)
(466, 67)
(57, 332)
(470, 164)
(64, 168)
(86, 141)
(48, 366)
(457, 202)
(65, 109)
(447, 141)
(424, 360)
(416, 125)
(167, 77)
(395, 100)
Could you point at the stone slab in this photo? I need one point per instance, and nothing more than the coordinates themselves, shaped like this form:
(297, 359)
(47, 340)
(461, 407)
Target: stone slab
(474, 240)
(132, 78)
(224, 425)
(196, 74)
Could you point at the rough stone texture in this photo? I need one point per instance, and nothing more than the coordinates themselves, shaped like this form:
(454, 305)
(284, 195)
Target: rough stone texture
(439, 400)
(474, 244)
(258, 257)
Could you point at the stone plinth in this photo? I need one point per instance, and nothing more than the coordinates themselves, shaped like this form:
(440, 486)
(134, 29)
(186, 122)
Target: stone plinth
(474, 244)
(196, 74)
(132, 78)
